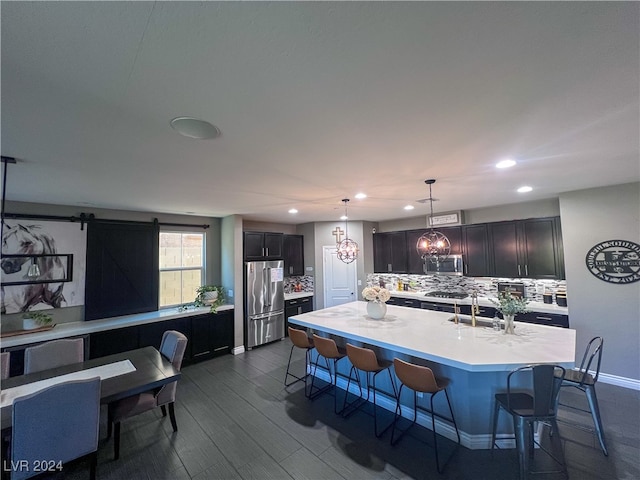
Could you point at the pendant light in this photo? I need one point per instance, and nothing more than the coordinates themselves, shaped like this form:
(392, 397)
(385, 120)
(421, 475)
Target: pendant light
(347, 248)
(433, 246)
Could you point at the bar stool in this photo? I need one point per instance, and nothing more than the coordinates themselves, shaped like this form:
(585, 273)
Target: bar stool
(365, 360)
(527, 408)
(585, 381)
(327, 349)
(299, 339)
(421, 379)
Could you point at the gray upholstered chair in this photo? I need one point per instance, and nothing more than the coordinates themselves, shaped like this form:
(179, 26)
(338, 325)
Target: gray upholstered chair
(59, 423)
(4, 365)
(172, 347)
(55, 353)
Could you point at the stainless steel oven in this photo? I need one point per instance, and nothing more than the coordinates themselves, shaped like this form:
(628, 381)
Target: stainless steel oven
(452, 265)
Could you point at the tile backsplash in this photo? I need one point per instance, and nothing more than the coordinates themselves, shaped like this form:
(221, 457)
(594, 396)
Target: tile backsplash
(487, 287)
(306, 281)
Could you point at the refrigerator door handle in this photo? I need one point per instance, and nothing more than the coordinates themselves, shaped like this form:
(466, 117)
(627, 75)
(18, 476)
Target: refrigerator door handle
(268, 282)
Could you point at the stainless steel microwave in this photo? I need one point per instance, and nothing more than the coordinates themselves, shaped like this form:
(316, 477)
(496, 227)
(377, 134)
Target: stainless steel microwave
(452, 265)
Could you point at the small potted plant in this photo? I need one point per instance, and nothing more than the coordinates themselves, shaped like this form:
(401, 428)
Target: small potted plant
(31, 320)
(209, 296)
(509, 305)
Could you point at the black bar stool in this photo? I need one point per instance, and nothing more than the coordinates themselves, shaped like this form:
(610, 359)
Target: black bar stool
(299, 339)
(327, 349)
(528, 408)
(583, 380)
(421, 379)
(365, 360)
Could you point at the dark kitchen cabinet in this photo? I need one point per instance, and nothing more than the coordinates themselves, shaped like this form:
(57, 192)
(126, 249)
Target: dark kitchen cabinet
(262, 246)
(293, 254)
(211, 335)
(549, 319)
(109, 342)
(415, 263)
(404, 302)
(475, 248)
(390, 252)
(527, 248)
(208, 335)
(150, 334)
(297, 306)
(437, 306)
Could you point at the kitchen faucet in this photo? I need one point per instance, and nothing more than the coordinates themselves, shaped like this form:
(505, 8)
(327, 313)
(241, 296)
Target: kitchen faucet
(475, 308)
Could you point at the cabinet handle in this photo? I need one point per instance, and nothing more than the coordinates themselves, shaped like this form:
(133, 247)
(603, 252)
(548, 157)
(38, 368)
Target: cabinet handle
(519, 273)
(299, 310)
(526, 270)
(466, 268)
(389, 267)
(220, 348)
(267, 249)
(202, 353)
(548, 319)
(263, 252)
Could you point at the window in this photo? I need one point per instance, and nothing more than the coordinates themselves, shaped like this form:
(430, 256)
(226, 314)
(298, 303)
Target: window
(181, 267)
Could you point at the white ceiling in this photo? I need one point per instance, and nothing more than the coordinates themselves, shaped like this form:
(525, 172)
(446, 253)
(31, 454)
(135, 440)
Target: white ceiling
(317, 101)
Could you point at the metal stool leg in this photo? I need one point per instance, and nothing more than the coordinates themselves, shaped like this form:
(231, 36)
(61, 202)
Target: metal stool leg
(595, 413)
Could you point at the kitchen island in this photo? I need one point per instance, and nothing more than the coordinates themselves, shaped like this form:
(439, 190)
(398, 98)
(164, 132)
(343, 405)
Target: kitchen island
(476, 360)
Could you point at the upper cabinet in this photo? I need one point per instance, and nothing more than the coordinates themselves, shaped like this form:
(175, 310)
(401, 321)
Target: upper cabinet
(415, 264)
(390, 252)
(293, 254)
(475, 250)
(529, 248)
(262, 246)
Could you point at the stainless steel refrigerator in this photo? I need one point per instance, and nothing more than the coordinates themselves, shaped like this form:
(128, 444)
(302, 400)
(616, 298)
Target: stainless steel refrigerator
(264, 302)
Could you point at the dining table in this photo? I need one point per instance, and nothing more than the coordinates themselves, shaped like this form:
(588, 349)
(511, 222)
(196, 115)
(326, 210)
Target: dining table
(123, 375)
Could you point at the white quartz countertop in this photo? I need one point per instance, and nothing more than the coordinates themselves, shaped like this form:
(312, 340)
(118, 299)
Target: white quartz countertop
(483, 301)
(63, 330)
(295, 295)
(430, 335)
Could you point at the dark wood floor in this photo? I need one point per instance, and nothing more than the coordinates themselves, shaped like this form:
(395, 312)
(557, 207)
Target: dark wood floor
(237, 421)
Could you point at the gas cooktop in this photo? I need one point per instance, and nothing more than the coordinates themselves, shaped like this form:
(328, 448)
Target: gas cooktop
(442, 294)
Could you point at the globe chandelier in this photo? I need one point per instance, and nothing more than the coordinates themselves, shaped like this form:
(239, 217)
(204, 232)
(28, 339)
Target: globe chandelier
(433, 246)
(347, 248)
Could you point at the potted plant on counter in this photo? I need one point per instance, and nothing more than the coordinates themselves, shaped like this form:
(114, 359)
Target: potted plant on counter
(209, 296)
(509, 305)
(32, 320)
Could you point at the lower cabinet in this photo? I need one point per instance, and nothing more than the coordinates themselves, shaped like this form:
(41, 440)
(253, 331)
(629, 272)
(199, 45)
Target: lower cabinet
(551, 319)
(296, 307)
(209, 335)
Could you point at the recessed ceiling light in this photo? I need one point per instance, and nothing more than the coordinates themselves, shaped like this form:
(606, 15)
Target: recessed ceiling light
(524, 189)
(194, 128)
(409, 207)
(360, 196)
(293, 210)
(343, 217)
(506, 163)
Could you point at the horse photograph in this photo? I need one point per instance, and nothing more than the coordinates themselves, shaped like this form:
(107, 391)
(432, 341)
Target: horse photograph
(43, 238)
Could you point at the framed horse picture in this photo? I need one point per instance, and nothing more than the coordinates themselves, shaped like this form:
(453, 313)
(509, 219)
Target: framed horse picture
(43, 265)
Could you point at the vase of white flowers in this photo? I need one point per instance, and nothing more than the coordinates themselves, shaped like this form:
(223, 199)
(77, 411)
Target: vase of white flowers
(509, 306)
(376, 298)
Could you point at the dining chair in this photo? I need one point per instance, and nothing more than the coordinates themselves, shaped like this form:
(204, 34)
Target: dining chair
(366, 361)
(5, 359)
(585, 379)
(172, 347)
(59, 424)
(52, 354)
(538, 404)
(299, 339)
(420, 379)
(328, 350)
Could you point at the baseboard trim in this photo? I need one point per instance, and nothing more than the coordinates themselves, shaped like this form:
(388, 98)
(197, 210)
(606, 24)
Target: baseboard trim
(624, 382)
(237, 350)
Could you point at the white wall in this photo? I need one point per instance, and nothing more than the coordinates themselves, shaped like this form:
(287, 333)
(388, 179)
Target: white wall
(598, 308)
